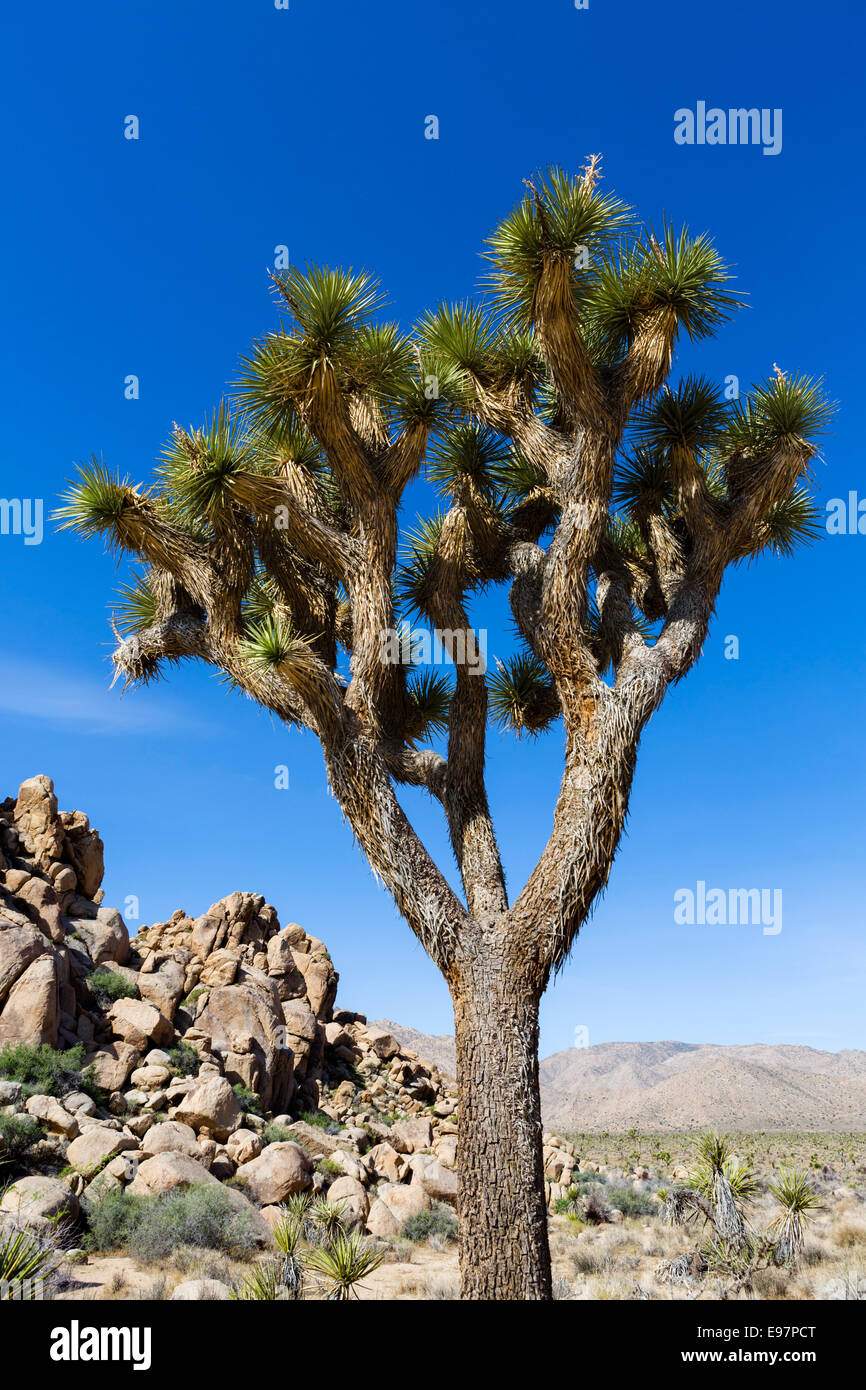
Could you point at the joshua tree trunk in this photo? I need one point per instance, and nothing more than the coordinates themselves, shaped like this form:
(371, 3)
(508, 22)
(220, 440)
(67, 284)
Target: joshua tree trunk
(504, 1251)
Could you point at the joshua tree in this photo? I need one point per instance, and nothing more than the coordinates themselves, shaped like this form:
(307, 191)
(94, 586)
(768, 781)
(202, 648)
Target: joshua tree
(720, 1187)
(608, 501)
(798, 1199)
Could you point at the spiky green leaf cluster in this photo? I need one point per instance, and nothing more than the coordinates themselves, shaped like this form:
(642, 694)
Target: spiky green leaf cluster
(343, 1263)
(522, 696)
(137, 608)
(467, 454)
(272, 644)
(714, 1158)
(681, 275)
(96, 503)
(791, 522)
(795, 1192)
(780, 411)
(413, 572)
(558, 214)
(198, 465)
(430, 702)
(691, 416)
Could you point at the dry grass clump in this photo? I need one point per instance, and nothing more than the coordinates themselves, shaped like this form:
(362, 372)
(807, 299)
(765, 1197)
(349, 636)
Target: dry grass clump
(850, 1234)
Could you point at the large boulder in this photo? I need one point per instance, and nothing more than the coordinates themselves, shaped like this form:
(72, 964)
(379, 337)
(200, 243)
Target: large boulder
(139, 1024)
(163, 986)
(411, 1136)
(171, 1137)
(37, 822)
(243, 1146)
(44, 906)
(387, 1163)
(166, 1171)
(52, 1115)
(151, 1078)
(19, 947)
(211, 1104)
(95, 1147)
(439, 1182)
(281, 963)
(350, 1194)
(200, 1291)
(403, 1200)
(105, 936)
(315, 1140)
(383, 1044)
(304, 1035)
(36, 806)
(85, 850)
(113, 1064)
(31, 1013)
(280, 1171)
(35, 1201)
(381, 1221)
(320, 981)
(246, 1025)
(220, 969)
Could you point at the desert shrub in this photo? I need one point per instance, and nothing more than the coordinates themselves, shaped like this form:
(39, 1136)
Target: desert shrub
(156, 1291)
(317, 1118)
(630, 1202)
(184, 1060)
(249, 1102)
(438, 1221)
(201, 1216)
(849, 1234)
(112, 1220)
(275, 1134)
(17, 1133)
(106, 987)
(46, 1072)
(594, 1208)
(588, 1180)
(591, 1259)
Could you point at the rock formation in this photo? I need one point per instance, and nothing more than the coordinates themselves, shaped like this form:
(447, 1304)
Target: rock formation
(214, 1042)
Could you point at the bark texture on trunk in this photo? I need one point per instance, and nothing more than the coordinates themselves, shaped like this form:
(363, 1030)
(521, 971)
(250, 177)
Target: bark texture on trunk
(504, 1251)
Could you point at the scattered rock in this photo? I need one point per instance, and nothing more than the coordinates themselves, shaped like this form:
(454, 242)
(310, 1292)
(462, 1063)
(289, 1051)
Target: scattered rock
(200, 1291)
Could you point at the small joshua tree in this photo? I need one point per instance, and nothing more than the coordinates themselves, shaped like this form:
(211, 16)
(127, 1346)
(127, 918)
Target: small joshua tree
(719, 1189)
(798, 1199)
(342, 1264)
(609, 501)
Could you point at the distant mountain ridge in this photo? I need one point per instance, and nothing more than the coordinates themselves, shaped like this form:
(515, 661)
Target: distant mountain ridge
(677, 1085)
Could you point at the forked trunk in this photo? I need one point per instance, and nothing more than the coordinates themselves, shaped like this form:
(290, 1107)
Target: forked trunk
(504, 1251)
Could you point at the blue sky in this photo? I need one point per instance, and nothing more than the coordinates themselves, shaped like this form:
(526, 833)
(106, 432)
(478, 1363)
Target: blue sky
(305, 127)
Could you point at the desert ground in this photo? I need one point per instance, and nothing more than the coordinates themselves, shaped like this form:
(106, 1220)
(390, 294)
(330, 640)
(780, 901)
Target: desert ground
(617, 1259)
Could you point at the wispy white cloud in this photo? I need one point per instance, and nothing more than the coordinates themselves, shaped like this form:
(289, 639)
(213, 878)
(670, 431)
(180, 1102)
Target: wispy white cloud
(36, 690)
